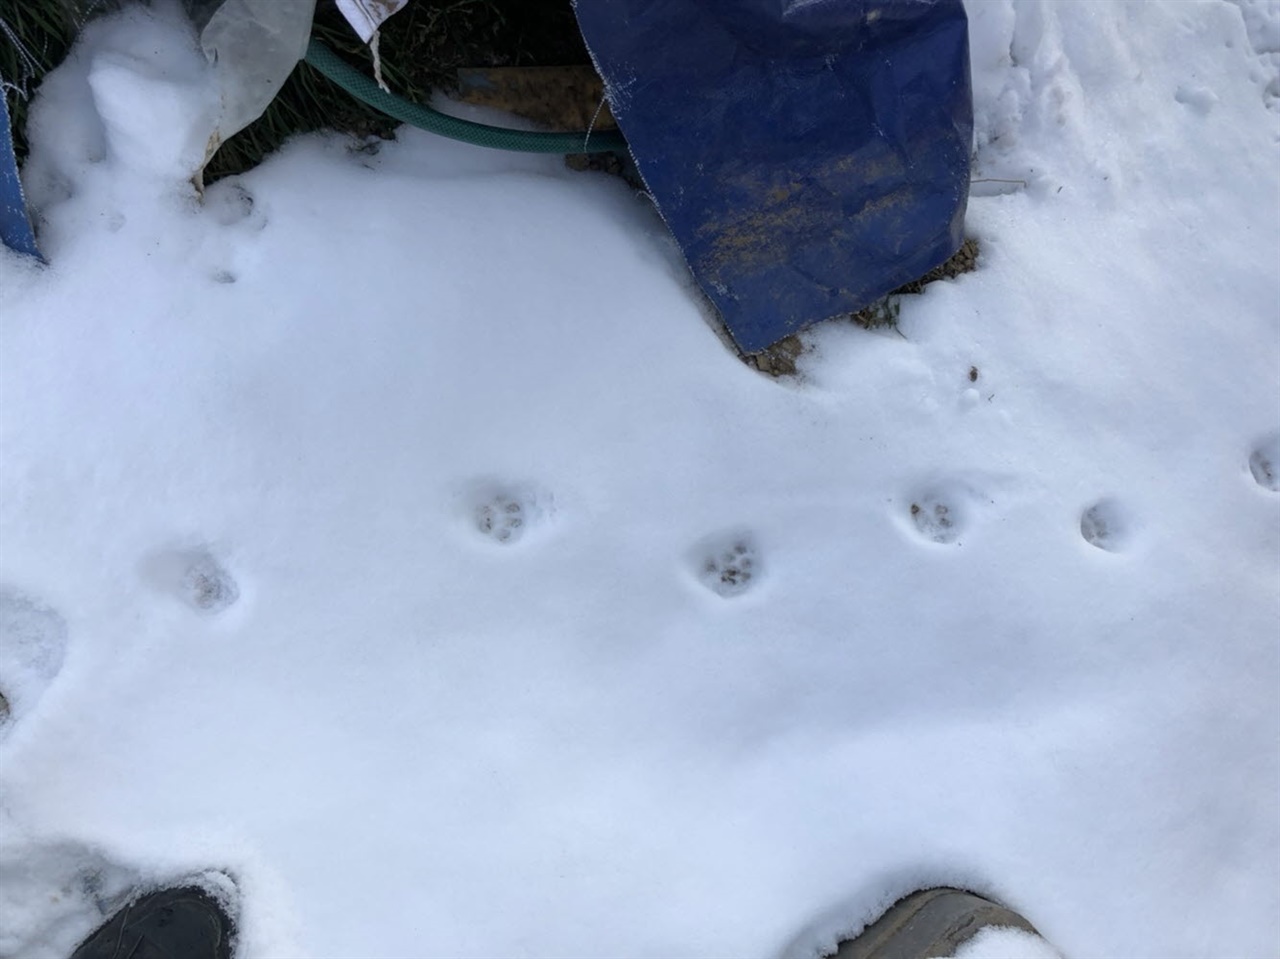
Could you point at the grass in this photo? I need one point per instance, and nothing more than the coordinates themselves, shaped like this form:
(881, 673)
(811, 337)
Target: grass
(35, 36)
(422, 48)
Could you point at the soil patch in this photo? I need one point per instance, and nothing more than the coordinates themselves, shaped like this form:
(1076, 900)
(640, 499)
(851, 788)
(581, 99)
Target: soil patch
(780, 358)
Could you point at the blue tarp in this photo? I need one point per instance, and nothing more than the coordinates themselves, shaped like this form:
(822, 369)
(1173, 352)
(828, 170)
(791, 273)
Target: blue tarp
(808, 155)
(15, 226)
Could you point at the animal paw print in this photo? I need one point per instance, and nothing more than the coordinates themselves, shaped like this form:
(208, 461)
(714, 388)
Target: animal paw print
(934, 521)
(193, 576)
(1106, 525)
(729, 568)
(1264, 464)
(942, 512)
(505, 513)
(206, 586)
(502, 519)
(229, 204)
(33, 642)
(937, 519)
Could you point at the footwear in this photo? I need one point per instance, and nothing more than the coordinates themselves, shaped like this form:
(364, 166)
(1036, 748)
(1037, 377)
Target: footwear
(930, 922)
(177, 923)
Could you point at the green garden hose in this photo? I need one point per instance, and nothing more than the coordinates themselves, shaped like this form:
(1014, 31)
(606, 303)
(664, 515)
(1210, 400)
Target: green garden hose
(425, 118)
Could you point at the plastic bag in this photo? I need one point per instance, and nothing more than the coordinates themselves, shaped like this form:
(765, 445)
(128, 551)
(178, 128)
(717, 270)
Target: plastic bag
(254, 46)
(809, 156)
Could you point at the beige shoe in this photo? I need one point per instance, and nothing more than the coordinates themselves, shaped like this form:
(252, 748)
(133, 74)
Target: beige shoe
(929, 923)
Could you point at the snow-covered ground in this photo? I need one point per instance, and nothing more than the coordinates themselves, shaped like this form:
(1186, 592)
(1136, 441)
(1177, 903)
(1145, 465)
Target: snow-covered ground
(365, 531)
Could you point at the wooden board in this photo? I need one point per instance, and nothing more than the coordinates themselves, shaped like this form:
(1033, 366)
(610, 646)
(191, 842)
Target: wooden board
(559, 98)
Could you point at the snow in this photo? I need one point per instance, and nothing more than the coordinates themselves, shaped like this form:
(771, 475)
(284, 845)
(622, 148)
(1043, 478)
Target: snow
(1001, 942)
(1009, 621)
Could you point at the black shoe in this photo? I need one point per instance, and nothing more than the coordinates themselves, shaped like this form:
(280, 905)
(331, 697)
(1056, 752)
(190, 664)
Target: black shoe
(179, 923)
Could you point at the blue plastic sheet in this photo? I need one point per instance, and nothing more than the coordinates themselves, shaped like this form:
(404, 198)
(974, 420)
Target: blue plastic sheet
(15, 226)
(808, 155)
